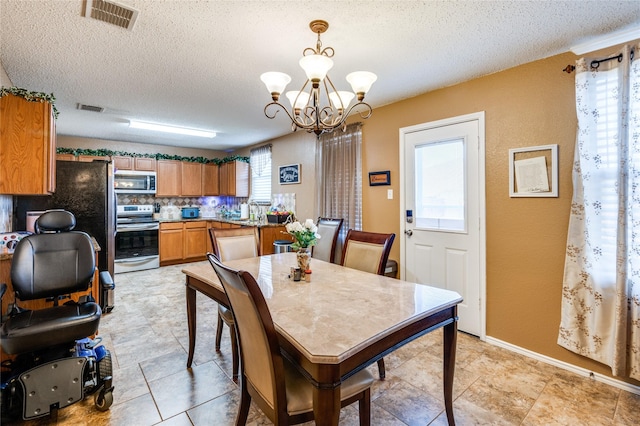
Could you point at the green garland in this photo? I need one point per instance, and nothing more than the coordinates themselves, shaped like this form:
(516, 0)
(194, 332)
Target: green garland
(108, 153)
(31, 96)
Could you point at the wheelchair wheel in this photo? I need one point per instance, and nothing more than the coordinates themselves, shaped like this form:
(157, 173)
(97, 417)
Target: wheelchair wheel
(104, 367)
(103, 400)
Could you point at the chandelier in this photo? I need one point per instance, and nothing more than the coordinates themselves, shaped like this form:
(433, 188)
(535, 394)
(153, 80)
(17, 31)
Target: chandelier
(318, 107)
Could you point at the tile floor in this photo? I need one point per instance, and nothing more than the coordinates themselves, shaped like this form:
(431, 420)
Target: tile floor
(147, 336)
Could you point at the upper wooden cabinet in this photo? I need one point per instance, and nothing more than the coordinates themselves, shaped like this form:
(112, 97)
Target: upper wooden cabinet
(169, 180)
(27, 146)
(191, 179)
(143, 164)
(234, 179)
(210, 179)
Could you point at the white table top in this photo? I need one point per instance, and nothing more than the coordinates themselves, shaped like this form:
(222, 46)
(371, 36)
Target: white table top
(341, 310)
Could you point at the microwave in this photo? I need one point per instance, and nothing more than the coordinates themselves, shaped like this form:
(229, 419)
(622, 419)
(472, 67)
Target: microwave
(134, 182)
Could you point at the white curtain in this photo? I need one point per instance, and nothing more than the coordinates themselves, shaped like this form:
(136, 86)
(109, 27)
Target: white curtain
(339, 180)
(601, 288)
(260, 162)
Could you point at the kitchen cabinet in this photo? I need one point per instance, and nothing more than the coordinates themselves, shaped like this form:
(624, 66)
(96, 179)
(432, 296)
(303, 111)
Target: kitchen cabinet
(27, 147)
(191, 179)
(234, 179)
(66, 157)
(170, 243)
(169, 179)
(90, 158)
(268, 235)
(184, 241)
(143, 164)
(195, 240)
(210, 179)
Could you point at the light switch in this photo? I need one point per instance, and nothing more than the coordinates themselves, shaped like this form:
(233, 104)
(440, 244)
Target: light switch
(389, 194)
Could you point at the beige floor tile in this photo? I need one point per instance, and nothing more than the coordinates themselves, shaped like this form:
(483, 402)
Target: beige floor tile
(147, 336)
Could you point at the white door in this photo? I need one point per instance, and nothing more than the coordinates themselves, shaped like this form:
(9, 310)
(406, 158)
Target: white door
(442, 201)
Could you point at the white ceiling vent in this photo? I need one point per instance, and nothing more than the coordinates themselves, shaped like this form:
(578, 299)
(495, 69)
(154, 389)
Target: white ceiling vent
(112, 13)
(91, 108)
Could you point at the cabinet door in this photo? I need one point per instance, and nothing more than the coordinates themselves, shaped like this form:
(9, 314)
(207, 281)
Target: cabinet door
(210, 179)
(268, 235)
(65, 157)
(169, 182)
(171, 242)
(122, 163)
(224, 179)
(241, 179)
(191, 179)
(27, 147)
(144, 164)
(195, 240)
(90, 158)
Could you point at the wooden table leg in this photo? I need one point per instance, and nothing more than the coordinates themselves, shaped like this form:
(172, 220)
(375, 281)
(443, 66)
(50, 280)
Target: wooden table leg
(191, 321)
(450, 336)
(326, 406)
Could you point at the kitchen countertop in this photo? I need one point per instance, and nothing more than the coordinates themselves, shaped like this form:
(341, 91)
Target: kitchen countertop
(219, 219)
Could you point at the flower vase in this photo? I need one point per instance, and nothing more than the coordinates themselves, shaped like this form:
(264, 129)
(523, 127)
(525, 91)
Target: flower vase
(304, 259)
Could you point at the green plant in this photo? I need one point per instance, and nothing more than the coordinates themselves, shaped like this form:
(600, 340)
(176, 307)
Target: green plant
(31, 96)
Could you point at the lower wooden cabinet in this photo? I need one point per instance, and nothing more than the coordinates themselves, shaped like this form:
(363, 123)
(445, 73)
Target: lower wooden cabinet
(195, 240)
(183, 241)
(171, 243)
(268, 235)
(189, 241)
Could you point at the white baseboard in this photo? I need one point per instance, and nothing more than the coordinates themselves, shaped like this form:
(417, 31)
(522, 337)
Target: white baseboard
(566, 366)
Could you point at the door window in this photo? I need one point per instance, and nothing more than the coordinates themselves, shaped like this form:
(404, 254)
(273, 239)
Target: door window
(440, 186)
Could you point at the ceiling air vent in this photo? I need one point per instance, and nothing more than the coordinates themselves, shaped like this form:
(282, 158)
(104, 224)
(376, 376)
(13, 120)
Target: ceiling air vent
(112, 13)
(91, 108)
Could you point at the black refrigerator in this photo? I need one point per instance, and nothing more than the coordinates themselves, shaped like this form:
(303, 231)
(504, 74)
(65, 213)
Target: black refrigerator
(86, 190)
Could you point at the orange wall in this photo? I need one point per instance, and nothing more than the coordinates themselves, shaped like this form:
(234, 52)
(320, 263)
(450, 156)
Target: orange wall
(529, 105)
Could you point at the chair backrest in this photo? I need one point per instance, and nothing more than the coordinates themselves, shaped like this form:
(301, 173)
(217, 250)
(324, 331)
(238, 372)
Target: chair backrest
(235, 243)
(262, 362)
(52, 264)
(55, 221)
(367, 251)
(328, 229)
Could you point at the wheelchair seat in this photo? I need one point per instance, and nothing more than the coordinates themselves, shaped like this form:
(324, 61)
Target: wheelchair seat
(51, 264)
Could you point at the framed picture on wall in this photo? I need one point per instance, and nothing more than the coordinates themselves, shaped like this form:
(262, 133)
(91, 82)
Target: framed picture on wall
(380, 178)
(289, 174)
(533, 171)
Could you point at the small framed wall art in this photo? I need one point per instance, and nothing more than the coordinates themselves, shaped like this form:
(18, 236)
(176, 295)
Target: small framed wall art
(533, 171)
(380, 178)
(289, 174)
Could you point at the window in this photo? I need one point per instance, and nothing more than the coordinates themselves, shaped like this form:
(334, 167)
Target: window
(260, 160)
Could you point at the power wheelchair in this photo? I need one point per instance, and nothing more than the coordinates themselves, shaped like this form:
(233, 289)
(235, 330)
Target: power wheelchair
(55, 362)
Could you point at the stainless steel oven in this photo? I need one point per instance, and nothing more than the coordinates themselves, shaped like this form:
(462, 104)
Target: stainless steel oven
(136, 239)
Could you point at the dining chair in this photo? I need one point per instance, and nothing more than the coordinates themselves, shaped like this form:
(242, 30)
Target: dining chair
(283, 394)
(230, 244)
(368, 252)
(328, 229)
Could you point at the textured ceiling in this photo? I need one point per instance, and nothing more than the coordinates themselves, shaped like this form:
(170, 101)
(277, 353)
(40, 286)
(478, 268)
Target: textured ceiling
(198, 63)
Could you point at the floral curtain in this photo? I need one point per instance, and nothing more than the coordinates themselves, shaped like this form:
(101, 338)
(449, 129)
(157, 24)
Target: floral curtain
(601, 288)
(339, 180)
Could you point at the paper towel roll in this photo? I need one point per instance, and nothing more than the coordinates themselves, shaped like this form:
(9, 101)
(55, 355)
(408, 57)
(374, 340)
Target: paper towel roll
(244, 211)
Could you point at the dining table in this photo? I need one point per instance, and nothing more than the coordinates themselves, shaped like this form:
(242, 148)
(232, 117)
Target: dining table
(339, 323)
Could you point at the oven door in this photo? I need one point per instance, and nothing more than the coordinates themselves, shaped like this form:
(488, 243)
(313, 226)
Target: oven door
(136, 247)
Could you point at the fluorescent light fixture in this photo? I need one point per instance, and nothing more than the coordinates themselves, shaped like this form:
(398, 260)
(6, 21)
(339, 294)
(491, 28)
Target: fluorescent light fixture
(607, 40)
(134, 124)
